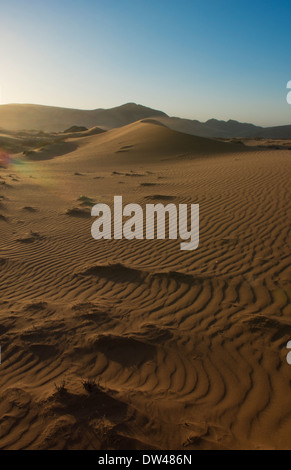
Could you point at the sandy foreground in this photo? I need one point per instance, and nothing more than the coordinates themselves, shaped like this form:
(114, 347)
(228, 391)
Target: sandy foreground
(123, 344)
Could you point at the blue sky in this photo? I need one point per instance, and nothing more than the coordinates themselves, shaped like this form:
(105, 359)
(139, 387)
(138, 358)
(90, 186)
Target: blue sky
(197, 59)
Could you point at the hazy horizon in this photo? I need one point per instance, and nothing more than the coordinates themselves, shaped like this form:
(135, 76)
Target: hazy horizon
(191, 60)
(137, 104)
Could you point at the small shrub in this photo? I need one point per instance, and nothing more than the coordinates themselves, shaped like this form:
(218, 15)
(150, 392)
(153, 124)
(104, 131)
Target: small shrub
(61, 389)
(89, 385)
(86, 201)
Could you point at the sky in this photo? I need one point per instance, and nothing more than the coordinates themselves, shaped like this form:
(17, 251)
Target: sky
(198, 59)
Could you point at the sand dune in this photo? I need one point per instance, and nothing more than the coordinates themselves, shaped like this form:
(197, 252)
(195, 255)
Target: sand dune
(123, 344)
(140, 142)
(145, 140)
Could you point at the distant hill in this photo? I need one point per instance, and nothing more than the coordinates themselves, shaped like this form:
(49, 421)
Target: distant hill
(211, 128)
(226, 129)
(54, 119)
(76, 129)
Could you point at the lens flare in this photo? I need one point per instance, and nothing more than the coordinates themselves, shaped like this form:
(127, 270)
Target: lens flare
(27, 169)
(5, 158)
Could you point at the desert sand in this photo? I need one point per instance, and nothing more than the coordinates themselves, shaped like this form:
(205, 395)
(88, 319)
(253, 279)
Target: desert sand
(117, 344)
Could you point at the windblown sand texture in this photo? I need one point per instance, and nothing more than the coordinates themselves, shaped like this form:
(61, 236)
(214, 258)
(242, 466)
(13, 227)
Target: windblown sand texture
(123, 344)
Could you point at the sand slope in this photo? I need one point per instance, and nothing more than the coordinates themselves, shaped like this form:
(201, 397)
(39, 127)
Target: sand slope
(187, 349)
(143, 141)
